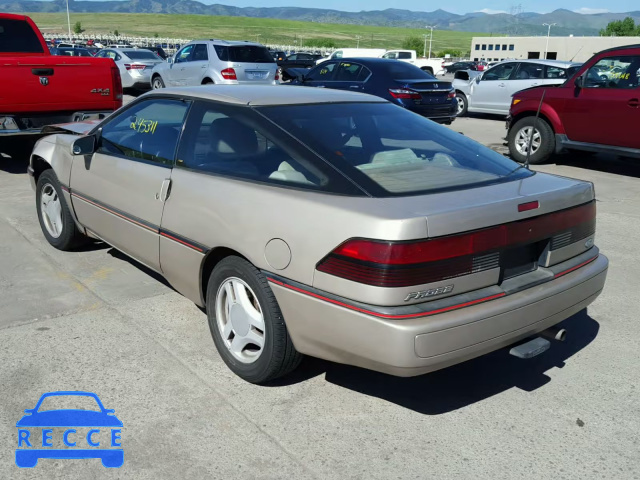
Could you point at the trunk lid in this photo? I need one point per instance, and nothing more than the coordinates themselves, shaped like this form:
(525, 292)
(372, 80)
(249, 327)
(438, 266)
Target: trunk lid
(432, 92)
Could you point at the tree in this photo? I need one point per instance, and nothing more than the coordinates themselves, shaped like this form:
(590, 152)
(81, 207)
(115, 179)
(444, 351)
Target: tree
(413, 43)
(320, 43)
(155, 35)
(116, 33)
(621, 28)
(77, 28)
(451, 52)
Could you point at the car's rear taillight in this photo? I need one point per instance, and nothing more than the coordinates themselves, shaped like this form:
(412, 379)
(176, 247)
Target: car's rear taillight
(116, 81)
(134, 66)
(451, 94)
(404, 93)
(402, 264)
(229, 74)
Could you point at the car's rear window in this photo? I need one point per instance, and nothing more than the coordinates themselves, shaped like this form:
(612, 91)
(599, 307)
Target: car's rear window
(406, 71)
(244, 54)
(389, 151)
(18, 36)
(141, 55)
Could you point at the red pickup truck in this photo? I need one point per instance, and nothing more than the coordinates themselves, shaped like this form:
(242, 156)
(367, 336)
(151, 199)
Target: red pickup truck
(39, 89)
(596, 110)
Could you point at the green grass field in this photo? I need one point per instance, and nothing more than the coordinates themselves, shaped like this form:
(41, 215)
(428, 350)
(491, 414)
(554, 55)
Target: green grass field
(266, 30)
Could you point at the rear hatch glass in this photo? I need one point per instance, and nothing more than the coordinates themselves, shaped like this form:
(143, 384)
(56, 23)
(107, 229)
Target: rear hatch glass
(390, 151)
(18, 36)
(244, 54)
(142, 55)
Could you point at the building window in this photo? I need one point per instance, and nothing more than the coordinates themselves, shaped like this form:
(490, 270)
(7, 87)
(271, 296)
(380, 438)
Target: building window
(552, 55)
(475, 59)
(484, 47)
(533, 55)
(490, 47)
(497, 47)
(511, 47)
(504, 46)
(477, 46)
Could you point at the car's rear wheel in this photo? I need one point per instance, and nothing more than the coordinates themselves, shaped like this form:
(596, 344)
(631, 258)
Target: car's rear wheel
(54, 215)
(463, 104)
(542, 140)
(157, 83)
(246, 323)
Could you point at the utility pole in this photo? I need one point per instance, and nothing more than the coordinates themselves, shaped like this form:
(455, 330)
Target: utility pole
(69, 22)
(546, 48)
(358, 37)
(431, 27)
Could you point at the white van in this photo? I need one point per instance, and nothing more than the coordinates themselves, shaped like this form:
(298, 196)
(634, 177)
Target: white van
(354, 53)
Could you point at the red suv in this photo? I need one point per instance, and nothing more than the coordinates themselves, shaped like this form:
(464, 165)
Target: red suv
(596, 110)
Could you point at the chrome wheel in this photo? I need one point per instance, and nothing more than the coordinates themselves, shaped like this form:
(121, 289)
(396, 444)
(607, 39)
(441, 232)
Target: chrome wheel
(522, 140)
(460, 101)
(51, 210)
(240, 320)
(157, 83)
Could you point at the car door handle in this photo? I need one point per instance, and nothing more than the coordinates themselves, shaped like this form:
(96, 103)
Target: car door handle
(354, 86)
(42, 72)
(165, 190)
(634, 102)
(502, 85)
(320, 86)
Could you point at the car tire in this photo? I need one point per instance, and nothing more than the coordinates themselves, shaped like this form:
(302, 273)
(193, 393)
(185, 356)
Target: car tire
(463, 104)
(54, 215)
(157, 83)
(544, 141)
(237, 294)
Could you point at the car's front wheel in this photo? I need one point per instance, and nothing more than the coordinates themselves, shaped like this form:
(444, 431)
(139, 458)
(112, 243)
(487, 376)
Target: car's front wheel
(528, 131)
(54, 215)
(157, 83)
(463, 104)
(246, 323)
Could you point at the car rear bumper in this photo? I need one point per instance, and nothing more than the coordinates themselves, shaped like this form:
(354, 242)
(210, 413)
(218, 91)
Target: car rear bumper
(408, 345)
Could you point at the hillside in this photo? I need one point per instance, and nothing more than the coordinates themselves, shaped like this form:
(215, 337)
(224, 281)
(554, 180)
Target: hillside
(528, 23)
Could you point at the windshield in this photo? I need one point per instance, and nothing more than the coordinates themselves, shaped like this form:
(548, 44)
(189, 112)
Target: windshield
(142, 55)
(17, 36)
(389, 151)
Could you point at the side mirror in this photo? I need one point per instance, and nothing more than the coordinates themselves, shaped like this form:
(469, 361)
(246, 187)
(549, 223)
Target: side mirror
(579, 82)
(170, 60)
(478, 78)
(85, 145)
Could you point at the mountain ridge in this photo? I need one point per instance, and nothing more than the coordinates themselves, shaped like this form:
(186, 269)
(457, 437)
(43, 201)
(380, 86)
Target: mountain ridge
(525, 23)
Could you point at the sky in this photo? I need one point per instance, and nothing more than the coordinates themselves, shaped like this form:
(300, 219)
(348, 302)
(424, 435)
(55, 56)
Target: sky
(459, 6)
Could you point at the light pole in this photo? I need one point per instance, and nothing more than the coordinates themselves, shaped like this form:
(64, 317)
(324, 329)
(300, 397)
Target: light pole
(431, 27)
(358, 37)
(69, 21)
(546, 48)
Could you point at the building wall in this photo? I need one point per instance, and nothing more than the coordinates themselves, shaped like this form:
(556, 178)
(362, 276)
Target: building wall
(578, 49)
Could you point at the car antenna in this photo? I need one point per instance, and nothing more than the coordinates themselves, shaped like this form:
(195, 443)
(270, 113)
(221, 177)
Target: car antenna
(533, 130)
(579, 50)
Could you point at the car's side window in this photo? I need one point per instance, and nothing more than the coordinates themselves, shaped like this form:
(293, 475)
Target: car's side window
(200, 53)
(337, 54)
(528, 71)
(500, 72)
(223, 140)
(322, 72)
(615, 72)
(348, 72)
(555, 72)
(391, 55)
(404, 55)
(292, 57)
(148, 131)
(184, 54)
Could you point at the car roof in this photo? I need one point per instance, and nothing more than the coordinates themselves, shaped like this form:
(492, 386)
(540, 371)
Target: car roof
(229, 43)
(267, 95)
(553, 63)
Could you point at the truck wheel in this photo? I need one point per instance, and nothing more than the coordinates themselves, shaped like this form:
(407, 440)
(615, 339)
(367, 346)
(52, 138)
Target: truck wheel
(246, 323)
(542, 146)
(463, 104)
(54, 215)
(157, 83)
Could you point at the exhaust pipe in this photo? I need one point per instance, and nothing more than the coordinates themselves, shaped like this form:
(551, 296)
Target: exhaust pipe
(555, 333)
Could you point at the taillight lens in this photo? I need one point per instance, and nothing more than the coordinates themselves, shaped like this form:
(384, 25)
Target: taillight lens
(401, 264)
(117, 83)
(404, 93)
(229, 74)
(133, 66)
(451, 94)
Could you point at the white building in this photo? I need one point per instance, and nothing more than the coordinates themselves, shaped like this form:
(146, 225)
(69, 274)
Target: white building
(578, 49)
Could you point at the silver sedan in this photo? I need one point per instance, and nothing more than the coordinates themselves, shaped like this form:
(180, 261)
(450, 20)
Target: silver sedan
(135, 65)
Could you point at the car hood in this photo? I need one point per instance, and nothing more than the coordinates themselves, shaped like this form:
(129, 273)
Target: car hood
(69, 418)
(80, 128)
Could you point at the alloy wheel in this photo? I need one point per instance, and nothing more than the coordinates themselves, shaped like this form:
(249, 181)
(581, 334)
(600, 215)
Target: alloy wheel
(522, 140)
(51, 210)
(240, 320)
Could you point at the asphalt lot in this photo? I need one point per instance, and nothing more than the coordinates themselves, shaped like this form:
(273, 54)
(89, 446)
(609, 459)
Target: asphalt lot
(97, 321)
